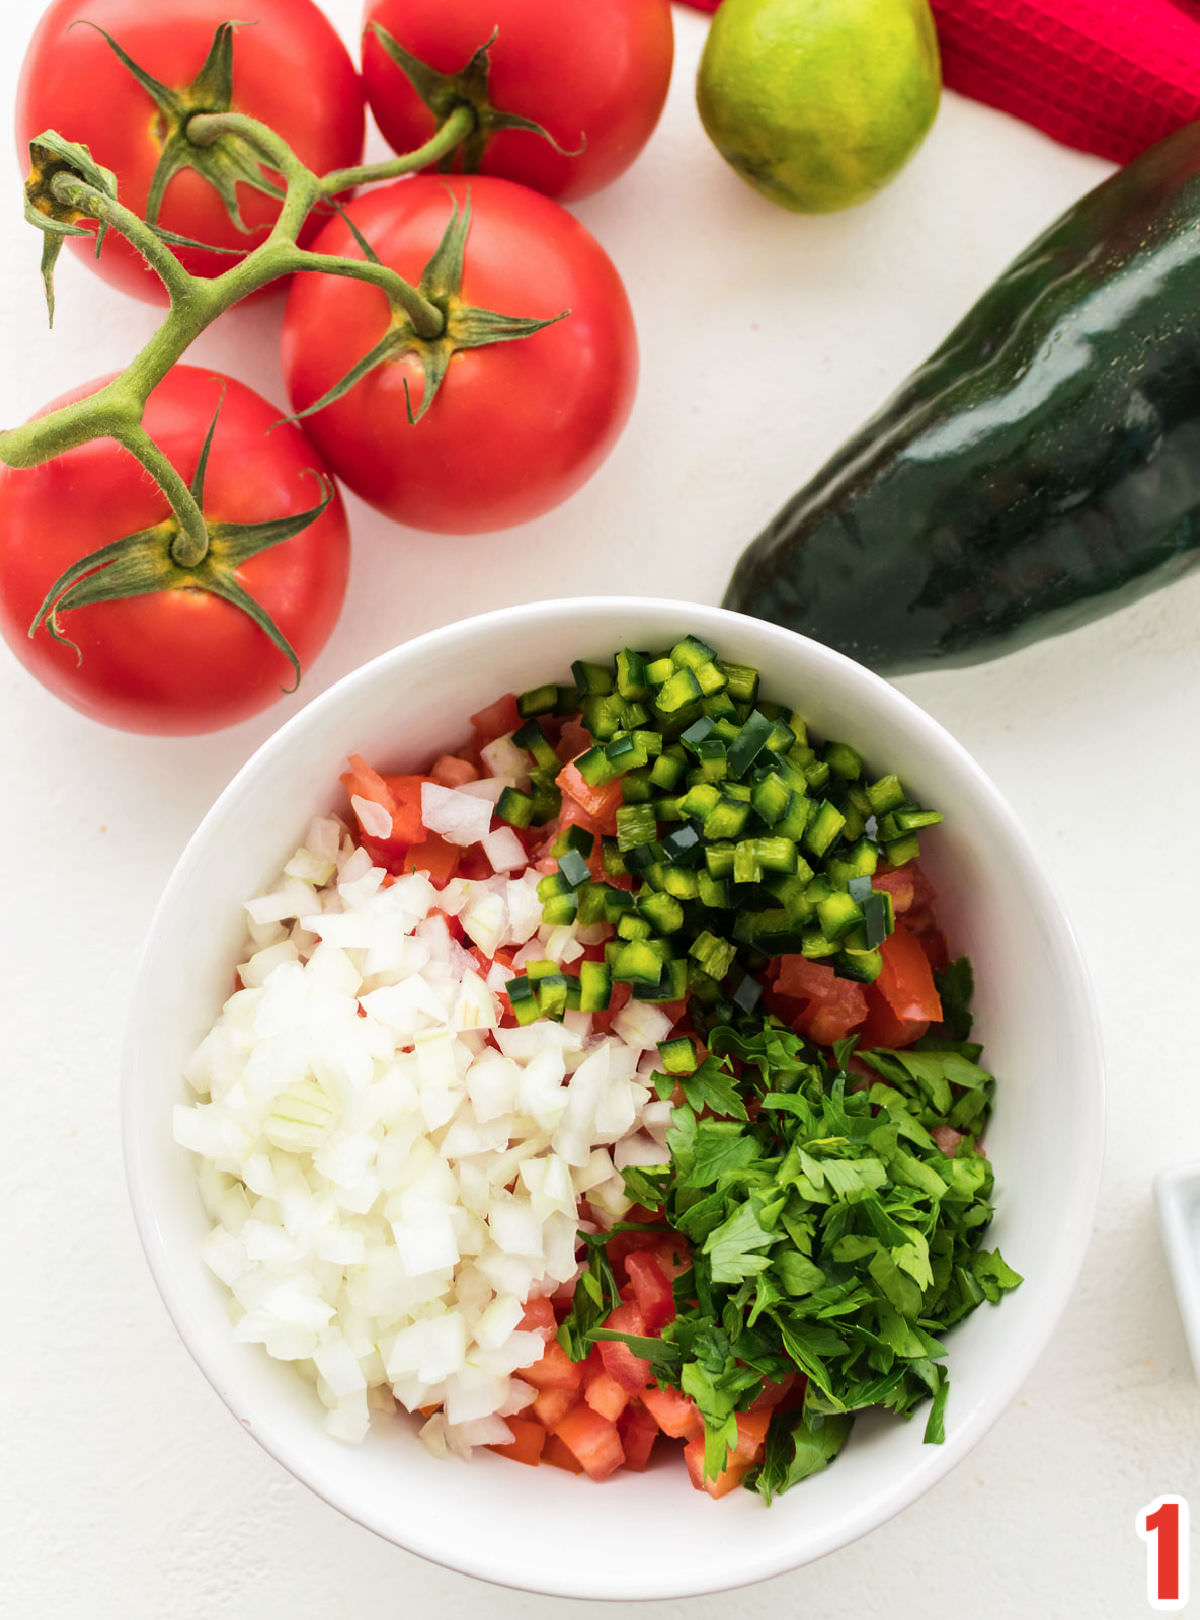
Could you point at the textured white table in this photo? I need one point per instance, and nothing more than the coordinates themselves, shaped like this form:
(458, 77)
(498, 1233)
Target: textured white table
(127, 1492)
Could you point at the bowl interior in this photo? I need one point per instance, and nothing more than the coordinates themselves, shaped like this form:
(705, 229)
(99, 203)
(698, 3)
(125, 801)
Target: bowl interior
(539, 1528)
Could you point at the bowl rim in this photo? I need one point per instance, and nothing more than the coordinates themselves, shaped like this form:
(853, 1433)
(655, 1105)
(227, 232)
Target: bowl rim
(1088, 1139)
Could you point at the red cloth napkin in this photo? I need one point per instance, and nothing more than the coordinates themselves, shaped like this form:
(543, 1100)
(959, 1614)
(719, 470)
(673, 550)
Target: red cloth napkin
(1108, 76)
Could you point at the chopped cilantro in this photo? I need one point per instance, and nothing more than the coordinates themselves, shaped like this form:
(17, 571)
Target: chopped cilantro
(831, 1235)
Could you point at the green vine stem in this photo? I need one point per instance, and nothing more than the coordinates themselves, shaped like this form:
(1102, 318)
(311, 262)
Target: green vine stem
(68, 193)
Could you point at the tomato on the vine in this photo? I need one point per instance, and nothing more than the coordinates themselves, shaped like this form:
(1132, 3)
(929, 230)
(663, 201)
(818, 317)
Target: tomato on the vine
(516, 426)
(290, 70)
(181, 660)
(593, 75)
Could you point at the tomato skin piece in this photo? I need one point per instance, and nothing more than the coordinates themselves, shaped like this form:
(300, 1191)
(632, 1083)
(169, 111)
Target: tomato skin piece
(516, 427)
(594, 76)
(176, 662)
(290, 70)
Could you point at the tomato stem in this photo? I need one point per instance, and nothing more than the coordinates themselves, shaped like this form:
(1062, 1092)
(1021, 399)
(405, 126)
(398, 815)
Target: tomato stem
(68, 193)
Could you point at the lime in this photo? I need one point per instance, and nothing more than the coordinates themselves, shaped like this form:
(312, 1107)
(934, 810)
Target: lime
(818, 103)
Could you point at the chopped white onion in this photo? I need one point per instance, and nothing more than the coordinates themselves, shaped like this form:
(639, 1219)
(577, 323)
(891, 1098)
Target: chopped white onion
(390, 1173)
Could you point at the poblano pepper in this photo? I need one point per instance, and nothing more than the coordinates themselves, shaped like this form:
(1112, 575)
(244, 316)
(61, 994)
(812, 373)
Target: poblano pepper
(1041, 469)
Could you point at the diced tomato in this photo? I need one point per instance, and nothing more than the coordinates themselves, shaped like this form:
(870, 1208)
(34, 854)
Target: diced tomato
(539, 1317)
(552, 1404)
(554, 1369)
(924, 892)
(933, 942)
(451, 770)
(619, 1000)
(730, 1476)
(651, 1289)
(497, 720)
(802, 979)
(574, 739)
(638, 1432)
(474, 864)
(630, 1371)
(752, 1433)
(832, 1007)
(592, 1440)
(673, 1411)
(883, 1028)
(407, 826)
(360, 781)
(558, 1455)
(672, 1255)
(900, 884)
(601, 803)
(606, 1396)
(773, 1395)
(528, 1440)
(906, 979)
(435, 856)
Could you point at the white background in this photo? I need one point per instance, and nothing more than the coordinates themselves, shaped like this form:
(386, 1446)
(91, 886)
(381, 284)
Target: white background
(126, 1491)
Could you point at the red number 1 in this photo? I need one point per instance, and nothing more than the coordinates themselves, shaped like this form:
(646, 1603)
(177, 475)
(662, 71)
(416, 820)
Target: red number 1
(1163, 1526)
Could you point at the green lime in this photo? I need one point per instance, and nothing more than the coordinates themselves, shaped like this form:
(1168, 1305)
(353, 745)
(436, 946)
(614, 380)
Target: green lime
(818, 103)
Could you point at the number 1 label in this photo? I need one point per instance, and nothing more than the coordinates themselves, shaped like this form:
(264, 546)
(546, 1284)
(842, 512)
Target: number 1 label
(1163, 1526)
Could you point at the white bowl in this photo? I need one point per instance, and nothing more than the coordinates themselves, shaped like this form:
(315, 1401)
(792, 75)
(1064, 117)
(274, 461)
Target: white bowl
(538, 1528)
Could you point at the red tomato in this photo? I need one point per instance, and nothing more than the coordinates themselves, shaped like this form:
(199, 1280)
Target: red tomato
(436, 857)
(604, 1395)
(906, 979)
(452, 771)
(290, 70)
(555, 1370)
(516, 426)
(528, 1441)
(558, 1455)
(592, 1440)
(595, 805)
(638, 1432)
(594, 76)
(631, 1371)
(883, 1028)
(182, 660)
(551, 1405)
(833, 1007)
(752, 1434)
(497, 720)
(675, 1413)
(651, 1289)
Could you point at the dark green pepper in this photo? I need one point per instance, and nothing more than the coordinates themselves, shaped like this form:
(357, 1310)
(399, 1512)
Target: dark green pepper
(1040, 470)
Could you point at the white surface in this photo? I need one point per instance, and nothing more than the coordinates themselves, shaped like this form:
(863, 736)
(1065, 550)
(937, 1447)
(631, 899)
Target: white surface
(127, 1492)
(1033, 1005)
